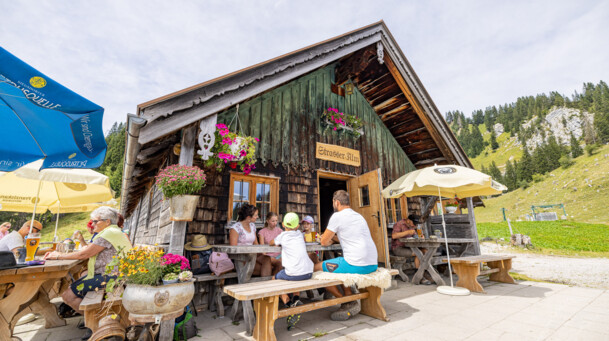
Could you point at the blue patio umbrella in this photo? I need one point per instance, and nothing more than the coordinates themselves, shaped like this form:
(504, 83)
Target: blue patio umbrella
(40, 118)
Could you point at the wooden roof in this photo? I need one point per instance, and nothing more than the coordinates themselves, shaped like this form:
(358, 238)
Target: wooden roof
(368, 57)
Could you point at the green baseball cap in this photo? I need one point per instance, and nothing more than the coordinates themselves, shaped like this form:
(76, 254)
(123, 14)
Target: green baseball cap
(290, 220)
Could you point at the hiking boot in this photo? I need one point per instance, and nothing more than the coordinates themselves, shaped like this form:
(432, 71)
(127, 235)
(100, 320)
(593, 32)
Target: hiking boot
(293, 319)
(87, 335)
(346, 311)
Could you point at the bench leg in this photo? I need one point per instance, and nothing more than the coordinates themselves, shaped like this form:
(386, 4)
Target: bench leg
(91, 320)
(503, 275)
(266, 312)
(371, 306)
(218, 300)
(399, 268)
(468, 276)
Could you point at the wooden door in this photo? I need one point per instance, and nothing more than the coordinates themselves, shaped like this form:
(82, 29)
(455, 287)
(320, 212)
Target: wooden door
(365, 198)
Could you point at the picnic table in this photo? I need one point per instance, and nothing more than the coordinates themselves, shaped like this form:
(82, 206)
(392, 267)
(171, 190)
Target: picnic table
(34, 287)
(244, 257)
(425, 260)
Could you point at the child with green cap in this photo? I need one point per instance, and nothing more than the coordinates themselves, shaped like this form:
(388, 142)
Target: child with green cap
(296, 263)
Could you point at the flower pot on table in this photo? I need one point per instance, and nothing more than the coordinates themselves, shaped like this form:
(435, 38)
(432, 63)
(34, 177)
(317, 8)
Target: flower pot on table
(451, 209)
(183, 207)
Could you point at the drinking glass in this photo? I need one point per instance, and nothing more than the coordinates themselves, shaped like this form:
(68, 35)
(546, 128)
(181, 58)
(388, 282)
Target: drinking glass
(31, 245)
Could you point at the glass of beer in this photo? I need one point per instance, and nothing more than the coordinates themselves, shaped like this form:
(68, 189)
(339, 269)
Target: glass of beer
(77, 246)
(31, 245)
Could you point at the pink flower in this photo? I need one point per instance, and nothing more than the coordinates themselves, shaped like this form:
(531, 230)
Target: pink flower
(221, 126)
(257, 140)
(242, 153)
(334, 128)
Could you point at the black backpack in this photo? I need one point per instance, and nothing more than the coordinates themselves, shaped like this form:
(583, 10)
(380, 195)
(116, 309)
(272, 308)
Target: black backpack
(199, 261)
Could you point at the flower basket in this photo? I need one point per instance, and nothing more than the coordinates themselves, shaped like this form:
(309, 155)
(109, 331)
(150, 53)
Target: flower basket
(179, 184)
(234, 150)
(142, 270)
(344, 122)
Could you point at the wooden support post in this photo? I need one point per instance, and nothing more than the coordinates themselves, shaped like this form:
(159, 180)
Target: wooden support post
(178, 228)
(371, 306)
(468, 276)
(266, 310)
(472, 222)
(503, 275)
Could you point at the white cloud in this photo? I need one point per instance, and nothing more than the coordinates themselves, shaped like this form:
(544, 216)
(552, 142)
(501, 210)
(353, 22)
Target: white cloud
(468, 54)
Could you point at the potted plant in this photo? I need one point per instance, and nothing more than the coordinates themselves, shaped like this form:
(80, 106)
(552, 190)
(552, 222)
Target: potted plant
(452, 207)
(338, 120)
(233, 149)
(141, 272)
(179, 184)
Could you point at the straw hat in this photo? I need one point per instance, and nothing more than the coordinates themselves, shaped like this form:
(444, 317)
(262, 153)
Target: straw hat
(199, 243)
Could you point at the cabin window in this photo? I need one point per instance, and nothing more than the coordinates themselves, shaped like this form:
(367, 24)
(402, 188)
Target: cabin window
(364, 196)
(394, 210)
(398, 209)
(389, 207)
(260, 191)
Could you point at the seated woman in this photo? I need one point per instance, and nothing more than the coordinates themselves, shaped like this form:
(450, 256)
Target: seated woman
(243, 232)
(271, 264)
(106, 244)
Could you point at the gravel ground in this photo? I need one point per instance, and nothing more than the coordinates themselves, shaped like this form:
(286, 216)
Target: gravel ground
(583, 272)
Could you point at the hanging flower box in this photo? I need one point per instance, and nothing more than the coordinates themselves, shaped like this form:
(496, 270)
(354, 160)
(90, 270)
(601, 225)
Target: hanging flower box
(179, 184)
(341, 121)
(233, 150)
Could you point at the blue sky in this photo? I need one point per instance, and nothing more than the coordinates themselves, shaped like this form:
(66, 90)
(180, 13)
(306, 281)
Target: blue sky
(468, 54)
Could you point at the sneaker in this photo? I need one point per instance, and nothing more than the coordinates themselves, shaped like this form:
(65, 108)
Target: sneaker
(293, 319)
(346, 311)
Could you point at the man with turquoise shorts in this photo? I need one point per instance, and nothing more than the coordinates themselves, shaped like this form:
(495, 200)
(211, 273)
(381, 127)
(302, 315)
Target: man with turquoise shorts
(350, 229)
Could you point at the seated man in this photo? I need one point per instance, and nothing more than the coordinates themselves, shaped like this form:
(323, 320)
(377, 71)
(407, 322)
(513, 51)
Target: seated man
(360, 257)
(403, 229)
(16, 239)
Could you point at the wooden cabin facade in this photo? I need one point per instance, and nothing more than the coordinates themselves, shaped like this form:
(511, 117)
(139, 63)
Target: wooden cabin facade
(301, 160)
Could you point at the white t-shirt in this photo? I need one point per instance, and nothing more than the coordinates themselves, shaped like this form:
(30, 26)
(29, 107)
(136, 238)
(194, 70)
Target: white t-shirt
(354, 236)
(11, 241)
(294, 257)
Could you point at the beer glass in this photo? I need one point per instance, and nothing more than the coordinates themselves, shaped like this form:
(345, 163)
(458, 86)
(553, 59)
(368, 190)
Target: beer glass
(31, 245)
(77, 246)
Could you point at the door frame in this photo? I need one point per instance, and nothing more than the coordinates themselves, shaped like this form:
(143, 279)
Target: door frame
(332, 176)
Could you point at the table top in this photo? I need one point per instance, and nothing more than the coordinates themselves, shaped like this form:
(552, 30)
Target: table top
(246, 249)
(438, 240)
(49, 265)
(479, 259)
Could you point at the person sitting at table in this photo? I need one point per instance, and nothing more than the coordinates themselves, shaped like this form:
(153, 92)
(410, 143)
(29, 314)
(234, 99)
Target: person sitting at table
(403, 229)
(106, 244)
(265, 236)
(16, 239)
(297, 265)
(350, 229)
(4, 229)
(307, 226)
(243, 232)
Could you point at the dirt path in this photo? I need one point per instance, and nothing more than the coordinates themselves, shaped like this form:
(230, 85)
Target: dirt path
(585, 272)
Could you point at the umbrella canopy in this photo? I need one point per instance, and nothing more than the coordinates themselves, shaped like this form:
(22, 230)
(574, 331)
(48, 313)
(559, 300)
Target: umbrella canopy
(452, 180)
(43, 119)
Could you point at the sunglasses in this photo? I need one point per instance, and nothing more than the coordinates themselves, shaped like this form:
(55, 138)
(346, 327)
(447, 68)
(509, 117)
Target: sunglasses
(35, 228)
(94, 221)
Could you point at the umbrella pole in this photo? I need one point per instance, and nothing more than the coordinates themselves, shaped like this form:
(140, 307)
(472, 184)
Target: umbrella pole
(57, 219)
(35, 204)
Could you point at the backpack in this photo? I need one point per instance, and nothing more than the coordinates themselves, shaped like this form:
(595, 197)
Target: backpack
(219, 263)
(185, 326)
(199, 261)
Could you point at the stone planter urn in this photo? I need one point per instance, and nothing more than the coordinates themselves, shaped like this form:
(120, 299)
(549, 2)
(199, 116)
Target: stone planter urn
(147, 303)
(183, 207)
(451, 209)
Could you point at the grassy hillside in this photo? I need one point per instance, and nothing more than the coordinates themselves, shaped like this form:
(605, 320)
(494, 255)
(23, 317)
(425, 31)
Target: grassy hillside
(583, 188)
(555, 237)
(508, 150)
(68, 223)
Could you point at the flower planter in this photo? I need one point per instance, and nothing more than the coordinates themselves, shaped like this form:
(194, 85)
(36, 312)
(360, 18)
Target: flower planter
(360, 131)
(183, 207)
(147, 303)
(451, 209)
(170, 281)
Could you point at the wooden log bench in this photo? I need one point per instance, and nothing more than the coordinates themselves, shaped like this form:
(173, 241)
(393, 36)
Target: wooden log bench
(96, 306)
(266, 297)
(468, 270)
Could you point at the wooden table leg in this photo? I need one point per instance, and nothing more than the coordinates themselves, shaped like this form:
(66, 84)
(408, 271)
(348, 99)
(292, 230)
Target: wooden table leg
(244, 264)
(49, 311)
(14, 303)
(468, 276)
(371, 306)
(425, 265)
(503, 275)
(266, 310)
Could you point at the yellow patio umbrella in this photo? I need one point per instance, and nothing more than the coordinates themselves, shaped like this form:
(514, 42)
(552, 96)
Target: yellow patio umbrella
(447, 181)
(30, 190)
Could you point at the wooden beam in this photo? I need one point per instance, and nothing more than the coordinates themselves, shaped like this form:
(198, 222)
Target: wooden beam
(472, 222)
(424, 151)
(426, 162)
(426, 206)
(409, 133)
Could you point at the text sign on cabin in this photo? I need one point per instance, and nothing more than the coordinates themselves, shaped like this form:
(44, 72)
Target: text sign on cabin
(330, 152)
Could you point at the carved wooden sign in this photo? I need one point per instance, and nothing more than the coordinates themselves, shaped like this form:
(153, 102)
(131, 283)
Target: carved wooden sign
(207, 138)
(334, 153)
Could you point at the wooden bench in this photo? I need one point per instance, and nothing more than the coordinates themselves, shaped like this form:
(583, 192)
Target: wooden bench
(468, 270)
(266, 301)
(215, 286)
(95, 307)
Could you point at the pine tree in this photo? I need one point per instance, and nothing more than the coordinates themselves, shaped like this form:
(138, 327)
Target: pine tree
(576, 149)
(510, 177)
(494, 144)
(525, 167)
(495, 173)
(113, 163)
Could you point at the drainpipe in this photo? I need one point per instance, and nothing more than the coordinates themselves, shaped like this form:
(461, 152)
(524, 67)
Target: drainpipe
(132, 148)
